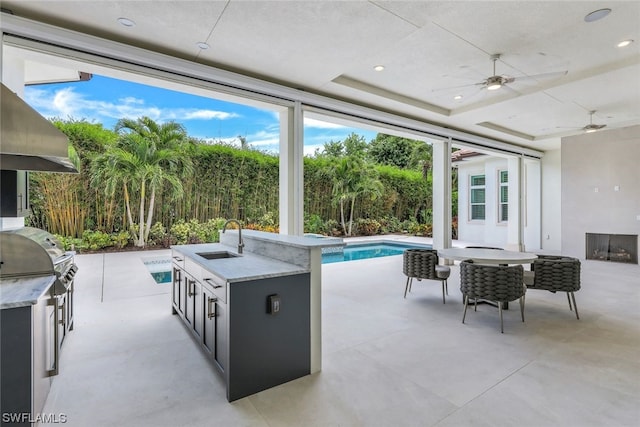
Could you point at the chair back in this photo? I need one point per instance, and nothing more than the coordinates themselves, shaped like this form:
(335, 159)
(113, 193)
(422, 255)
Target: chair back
(556, 273)
(420, 263)
(498, 283)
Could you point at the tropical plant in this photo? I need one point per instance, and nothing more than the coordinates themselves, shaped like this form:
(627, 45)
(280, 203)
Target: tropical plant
(353, 178)
(146, 156)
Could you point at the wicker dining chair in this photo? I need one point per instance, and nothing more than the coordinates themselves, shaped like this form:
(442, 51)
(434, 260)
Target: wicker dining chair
(555, 274)
(497, 283)
(423, 264)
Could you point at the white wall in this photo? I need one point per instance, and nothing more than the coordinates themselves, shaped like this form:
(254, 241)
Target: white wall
(600, 186)
(551, 211)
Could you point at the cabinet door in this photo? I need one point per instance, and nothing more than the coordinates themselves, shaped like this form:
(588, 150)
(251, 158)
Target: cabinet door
(189, 309)
(198, 309)
(208, 304)
(222, 344)
(176, 290)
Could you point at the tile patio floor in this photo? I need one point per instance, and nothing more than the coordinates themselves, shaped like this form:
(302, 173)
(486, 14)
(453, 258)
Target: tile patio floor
(387, 361)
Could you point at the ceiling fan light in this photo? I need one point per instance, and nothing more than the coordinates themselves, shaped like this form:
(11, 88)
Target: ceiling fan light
(494, 83)
(625, 43)
(590, 130)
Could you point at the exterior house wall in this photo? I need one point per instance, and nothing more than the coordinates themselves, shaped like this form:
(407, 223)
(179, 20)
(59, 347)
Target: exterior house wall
(600, 186)
(491, 231)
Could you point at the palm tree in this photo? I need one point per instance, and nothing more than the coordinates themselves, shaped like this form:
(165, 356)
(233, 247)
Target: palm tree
(145, 157)
(353, 178)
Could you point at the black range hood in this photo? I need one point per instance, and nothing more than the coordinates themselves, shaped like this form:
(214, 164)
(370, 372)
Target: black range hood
(28, 141)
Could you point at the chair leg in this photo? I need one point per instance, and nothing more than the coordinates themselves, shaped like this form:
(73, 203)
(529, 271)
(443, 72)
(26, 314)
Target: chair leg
(466, 302)
(569, 299)
(573, 297)
(522, 307)
(406, 288)
(443, 286)
(446, 286)
(501, 324)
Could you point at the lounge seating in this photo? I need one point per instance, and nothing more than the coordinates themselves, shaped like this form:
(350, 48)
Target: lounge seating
(497, 283)
(555, 274)
(423, 264)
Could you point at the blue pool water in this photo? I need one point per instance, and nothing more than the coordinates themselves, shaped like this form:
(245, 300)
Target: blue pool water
(356, 251)
(160, 268)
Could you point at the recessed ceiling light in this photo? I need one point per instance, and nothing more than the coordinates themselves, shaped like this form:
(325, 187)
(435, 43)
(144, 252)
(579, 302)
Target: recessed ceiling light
(597, 14)
(126, 22)
(457, 97)
(379, 67)
(625, 43)
(202, 45)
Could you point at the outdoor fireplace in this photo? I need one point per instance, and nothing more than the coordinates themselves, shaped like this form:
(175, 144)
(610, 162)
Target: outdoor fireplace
(612, 247)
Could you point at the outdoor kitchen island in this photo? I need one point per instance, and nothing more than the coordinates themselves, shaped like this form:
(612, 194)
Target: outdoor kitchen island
(253, 308)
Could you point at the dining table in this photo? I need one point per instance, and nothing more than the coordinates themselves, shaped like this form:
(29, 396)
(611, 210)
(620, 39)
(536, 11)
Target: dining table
(488, 256)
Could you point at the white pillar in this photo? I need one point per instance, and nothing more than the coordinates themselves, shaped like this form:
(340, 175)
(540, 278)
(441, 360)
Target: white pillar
(442, 194)
(515, 228)
(291, 171)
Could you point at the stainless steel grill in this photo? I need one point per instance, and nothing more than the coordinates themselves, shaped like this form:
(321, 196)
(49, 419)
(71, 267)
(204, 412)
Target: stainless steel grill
(29, 251)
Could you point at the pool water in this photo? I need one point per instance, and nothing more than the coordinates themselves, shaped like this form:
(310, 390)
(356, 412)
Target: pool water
(160, 268)
(357, 251)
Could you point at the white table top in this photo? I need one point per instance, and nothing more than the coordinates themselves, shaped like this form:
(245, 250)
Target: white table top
(487, 256)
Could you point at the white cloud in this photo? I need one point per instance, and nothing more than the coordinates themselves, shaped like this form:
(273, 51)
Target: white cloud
(66, 103)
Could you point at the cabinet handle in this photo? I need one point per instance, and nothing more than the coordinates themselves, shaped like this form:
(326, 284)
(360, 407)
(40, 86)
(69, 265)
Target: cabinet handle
(177, 275)
(62, 316)
(177, 258)
(211, 313)
(192, 283)
(212, 283)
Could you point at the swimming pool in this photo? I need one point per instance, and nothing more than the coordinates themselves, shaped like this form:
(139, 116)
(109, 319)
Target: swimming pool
(357, 251)
(160, 268)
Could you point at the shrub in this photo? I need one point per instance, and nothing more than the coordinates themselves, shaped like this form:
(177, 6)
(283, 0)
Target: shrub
(314, 224)
(390, 224)
(96, 239)
(367, 226)
(121, 239)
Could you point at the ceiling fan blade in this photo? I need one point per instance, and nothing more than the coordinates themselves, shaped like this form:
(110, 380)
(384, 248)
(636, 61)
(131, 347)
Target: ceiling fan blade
(551, 75)
(458, 87)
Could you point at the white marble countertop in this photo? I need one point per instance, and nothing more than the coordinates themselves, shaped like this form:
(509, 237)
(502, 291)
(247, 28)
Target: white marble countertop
(295, 241)
(23, 291)
(245, 267)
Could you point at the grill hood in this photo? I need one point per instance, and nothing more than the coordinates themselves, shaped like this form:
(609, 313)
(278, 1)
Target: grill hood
(28, 141)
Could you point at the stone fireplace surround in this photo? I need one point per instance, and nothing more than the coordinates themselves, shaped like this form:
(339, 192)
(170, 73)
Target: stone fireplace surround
(612, 247)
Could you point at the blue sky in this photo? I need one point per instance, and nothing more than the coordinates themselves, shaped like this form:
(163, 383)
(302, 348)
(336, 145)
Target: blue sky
(106, 100)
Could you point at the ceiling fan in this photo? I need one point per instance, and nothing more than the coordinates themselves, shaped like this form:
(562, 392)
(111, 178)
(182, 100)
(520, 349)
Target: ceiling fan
(497, 81)
(591, 127)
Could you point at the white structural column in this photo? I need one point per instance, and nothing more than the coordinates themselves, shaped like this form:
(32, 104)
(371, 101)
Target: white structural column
(291, 171)
(442, 194)
(515, 229)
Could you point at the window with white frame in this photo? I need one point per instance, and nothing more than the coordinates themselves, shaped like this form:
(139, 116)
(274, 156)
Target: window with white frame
(477, 197)
(504, 197)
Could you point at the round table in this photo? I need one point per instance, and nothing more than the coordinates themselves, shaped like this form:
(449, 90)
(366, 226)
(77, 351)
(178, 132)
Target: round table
(487, 256)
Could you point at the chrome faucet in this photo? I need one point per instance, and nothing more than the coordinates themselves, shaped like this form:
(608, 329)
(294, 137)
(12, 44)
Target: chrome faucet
(240, 243)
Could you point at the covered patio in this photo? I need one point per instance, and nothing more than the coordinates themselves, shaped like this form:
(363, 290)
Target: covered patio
(386, 360)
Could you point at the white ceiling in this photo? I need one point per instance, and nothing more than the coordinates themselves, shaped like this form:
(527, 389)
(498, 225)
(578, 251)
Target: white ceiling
(428, 48)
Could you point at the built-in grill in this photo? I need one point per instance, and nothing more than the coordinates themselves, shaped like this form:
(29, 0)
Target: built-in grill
(28, 251)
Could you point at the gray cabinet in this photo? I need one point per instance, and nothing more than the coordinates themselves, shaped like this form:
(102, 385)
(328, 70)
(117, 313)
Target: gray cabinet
(14, 193)
(28, 357)
(252, 346)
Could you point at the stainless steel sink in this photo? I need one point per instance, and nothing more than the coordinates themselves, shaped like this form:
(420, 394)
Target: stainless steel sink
(216, 255)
